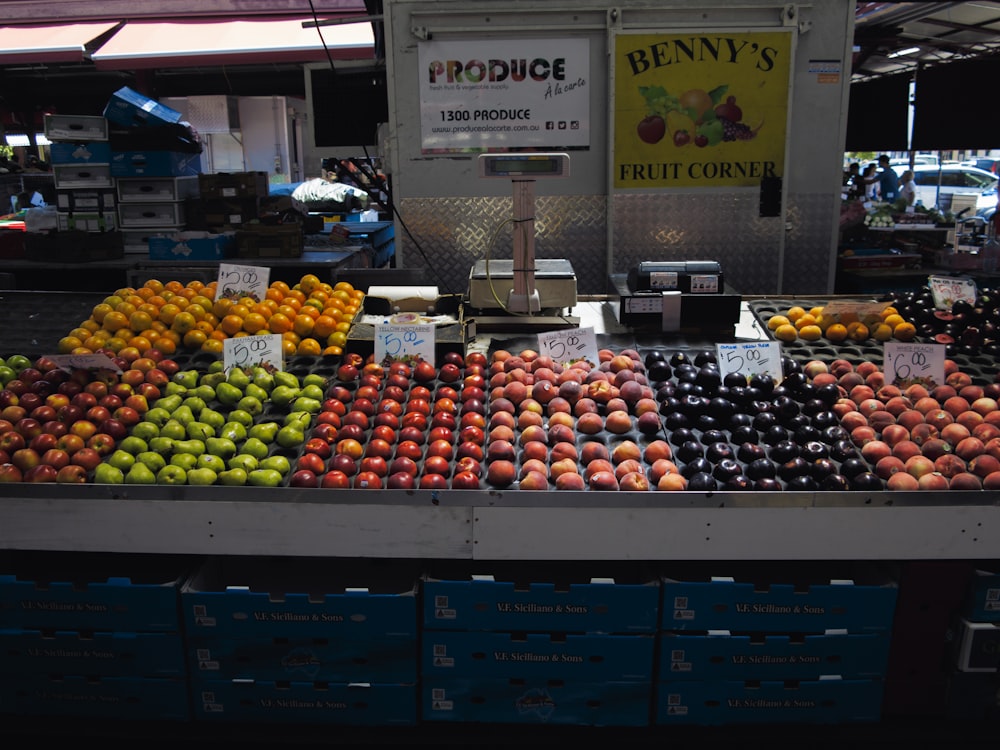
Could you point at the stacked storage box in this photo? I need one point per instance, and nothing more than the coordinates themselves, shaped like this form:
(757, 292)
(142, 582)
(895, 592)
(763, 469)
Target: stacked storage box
(156, 161)
(92, 635)
(229, 201)
(739, 652)
(303, 641)
(974, 682)
(500, 646)
(86, 216)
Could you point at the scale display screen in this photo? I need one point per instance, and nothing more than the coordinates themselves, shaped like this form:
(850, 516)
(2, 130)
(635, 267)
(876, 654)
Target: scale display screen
(524, 165)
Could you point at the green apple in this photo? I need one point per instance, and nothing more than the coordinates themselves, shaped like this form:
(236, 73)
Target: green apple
(121, 459)
(283, 377)
(152, 459)
(18, 362)
(193, 446)
(171, 474)
(173, 429)
(264, 478)
(156, 416)
(210, 461)
(233, 431)
(170, 403)
(7, 374)
(199, 430)
(309, 405)
(105, 473)
(140, 474)
(203, 476)
(264, 431)
(145, 430)
(162, 445)
(186, 461)
(243, 461)
(251, 404)
(312, 391)
(283, 395)
(255, 447)
(183, 414)
(212, 418)
(133, 444)
(235, 477)
(277, 462)
(186, 378)
(228, 394)
(220, 446)
(245, 418)
(194, 403)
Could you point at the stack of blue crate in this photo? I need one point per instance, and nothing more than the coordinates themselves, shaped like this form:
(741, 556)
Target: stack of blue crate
(500, 646)
(735, 651)
(302, 641)
(92, 635)
(973, 691)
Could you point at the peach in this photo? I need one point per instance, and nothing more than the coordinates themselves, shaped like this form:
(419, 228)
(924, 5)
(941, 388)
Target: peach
(949, 465)
(969, 448)
(866, 368)
(585, 404)
(501, 473)
(598, 465)
(984, 464)
(933, 481)
(841, 367)
(938, 418)
(562, 466)
(888, 465)
(815, 367)
(501, 432)
(969, 419)
(618, 422)
(950, 366)
(906, 448)
(954, 433)
(535, 449)
(625, 450)
(965, 481)
(923, 432)
(559, 405)
(902, 482)
(993, 417)
(560, 433)
(674, 482)
(860, 393)
(850, 379)
(561, 417)
(627, 466)
(881, 419)
(603, 481)
(634, 481)
(972, 392)
(534, 432)
(918, 466)
(874, 450)
(852, 420)
(943, 392)
(984, 405)
(863, 434)
(570, 481)
(892, 434)
(958, 379)
(529, 419)
(824, 378)
(590, 423)
(869, 405)
(887, 392)
(564, 450)
(896, 405)
(504, 418)
(992, 481)
(926, 404)
(955, 405)
(935, 447)
(915, 392)
(656, 450)
(534, 480)
(532, 464)
(986, 431)
(593, 449)
(659, 467)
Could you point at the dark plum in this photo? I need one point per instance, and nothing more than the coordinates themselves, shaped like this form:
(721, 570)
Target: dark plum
(764, 421)
(767, 484)
(745, 434)
(675, 420)
(761, 468)
(775, 434)
(748, 452)
(807, 434)
(738, 483)
(707, 423)
(734, 379)
(843, 449)
(813, 450)
(783, 450)
(705, 357)
(802, 483)
(702, 481)
(683, 435)
(721, 408)
(700, 465)
(866, 481)
(726, 468)
(763, 381)
(690, 450)
(824, 419)
(719, 452)
(822, 468)
(853, 466)
(708, 437)
(793, 467)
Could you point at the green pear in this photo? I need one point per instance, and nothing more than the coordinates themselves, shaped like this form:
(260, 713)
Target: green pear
(186, 378)
(264, 431)
(162, 445)
(256, 392)
(251, 404)
(299, 418)
(132, 444)
(312, 391)
(157, 416)
(145, 430)
(195, 403)
(212, 379)
(220, 446)
(152, 459)
(212, 418)
(217, 366)
(193, 446)
(173, 429)
(314, 378)
(210, 461)
(277, 462)
(289, 379)
(170, 403)
(171, 474)
(228, 394)
(199, 431)
(290, 436)
(243, 461)
(105, 473)
(255, 447)
(283, 395)
(201, 476)
(204, 392)
(183, 414)
(140, 474)
(237, 377)
(233, 431)
(175, 389)
(235, 477)
(121, 459)
(264, 478)
(262, 379)
(186, 461)
(310, 405)
(242, 416)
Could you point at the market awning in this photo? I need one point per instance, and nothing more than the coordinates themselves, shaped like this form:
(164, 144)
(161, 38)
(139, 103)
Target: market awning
(181, 44)
(51, 43)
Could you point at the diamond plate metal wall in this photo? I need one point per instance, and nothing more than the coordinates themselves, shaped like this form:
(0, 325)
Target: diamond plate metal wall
(453, 233)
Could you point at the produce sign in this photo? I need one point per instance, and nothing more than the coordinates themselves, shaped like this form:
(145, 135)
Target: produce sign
(237, 282)
(906, 364)
(751, 358)
(569, 345)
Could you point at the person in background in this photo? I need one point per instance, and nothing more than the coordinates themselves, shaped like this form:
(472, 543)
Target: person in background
(907, 187)
(852, 187)
(888, 182)
(870, 183)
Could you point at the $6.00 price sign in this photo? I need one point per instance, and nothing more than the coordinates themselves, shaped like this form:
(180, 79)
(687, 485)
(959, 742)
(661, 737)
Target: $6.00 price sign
(751, 358)
(906, 364)
(251, 351)
(242, 281)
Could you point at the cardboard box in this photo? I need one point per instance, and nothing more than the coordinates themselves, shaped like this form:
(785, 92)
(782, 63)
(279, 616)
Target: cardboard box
(73, 246)
(499, 597)
(76, 128)
(294, 703)
(270, 241)
(571, 657)
(192, 246)
(222, 213)
(235, 185)
(978, 646)
(132, 109)
(724, 656)
(122, 698)
(107, 654)
(97, 221)
(86, 176)
(179, 136)
(131, 215)
(82, 152)
(538, 701)
(718, 702)
(301, 599)
(154, 164)
(104, 199)
(156, 189)
(983, 603)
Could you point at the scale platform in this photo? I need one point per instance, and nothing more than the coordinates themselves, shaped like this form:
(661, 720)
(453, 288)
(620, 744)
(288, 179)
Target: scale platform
(554, 281)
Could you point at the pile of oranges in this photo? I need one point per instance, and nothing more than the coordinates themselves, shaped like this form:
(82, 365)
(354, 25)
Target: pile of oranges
(312, 317)
(813, 325)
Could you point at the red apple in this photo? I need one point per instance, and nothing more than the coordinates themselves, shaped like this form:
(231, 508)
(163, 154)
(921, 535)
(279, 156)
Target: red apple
(102, 442)
(87, 458)
(334, 479)
(311, 462)
(437, 464)
(10, 473)
(41, 473)
(375, 465)
(71, 474)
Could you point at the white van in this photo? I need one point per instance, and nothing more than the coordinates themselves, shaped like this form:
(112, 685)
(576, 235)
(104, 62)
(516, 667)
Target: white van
(936, 185)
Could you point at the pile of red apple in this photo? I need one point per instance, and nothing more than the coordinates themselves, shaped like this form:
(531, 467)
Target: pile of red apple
(941, 437)
(58, 425)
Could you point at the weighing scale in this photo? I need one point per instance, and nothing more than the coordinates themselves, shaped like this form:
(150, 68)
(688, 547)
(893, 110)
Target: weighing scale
(531, 291)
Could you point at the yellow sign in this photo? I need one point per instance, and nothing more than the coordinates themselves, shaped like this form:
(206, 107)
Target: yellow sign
(700, 109)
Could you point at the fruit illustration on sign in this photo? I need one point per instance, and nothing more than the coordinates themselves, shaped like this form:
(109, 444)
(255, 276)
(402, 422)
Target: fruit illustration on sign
(704, 118)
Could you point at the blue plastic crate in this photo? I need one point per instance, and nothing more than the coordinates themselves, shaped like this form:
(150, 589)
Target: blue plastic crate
(130, 108)
(983, 603)
(121, 698)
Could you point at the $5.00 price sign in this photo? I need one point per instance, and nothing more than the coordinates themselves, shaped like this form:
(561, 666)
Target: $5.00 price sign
(569, 345)
(906, 364)
(242, 281)
(251, 351)
(406, 341)
(751, 358)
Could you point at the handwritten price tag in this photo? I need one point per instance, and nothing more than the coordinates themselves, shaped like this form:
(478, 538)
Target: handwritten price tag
(406, 341)
(751, 358)
(249, 351)
(569, 345)
(70, 362)
(947, 290)
(909, 363)
(242, 281)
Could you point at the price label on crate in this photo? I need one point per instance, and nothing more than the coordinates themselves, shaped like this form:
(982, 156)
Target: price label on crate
(93, 362)
(569, 345)
(405, 341)
(947, 290)
(251, 351)
(909, 363)
(242, 281)
(751, 358)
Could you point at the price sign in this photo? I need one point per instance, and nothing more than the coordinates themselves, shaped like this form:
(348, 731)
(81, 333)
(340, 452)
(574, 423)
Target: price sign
(947, 290)
(96, 362)
(863, 310)
(405, 341)
(242, 281)
(909, 363)
(751, 358)
(569, 345)
(250, 351)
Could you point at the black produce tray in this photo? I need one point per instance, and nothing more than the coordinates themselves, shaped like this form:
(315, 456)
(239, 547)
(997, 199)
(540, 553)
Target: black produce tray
(31, 323)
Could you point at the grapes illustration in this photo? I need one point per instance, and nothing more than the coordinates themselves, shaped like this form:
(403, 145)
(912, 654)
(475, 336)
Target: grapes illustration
(699, 117)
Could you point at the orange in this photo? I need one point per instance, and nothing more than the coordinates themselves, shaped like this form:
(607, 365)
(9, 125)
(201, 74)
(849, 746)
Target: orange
(337, 338)
(231, 324)
(777, 320)
(197, 311)
(289, 348)
(212, 345)
(205, 325)
(292, 336)
(140, 342)
(145, 292)
(80, 333)
(273, 293)
(194, 339)
(140, 320)
(196, 285)
(806, 319)
(174, 286)
(323, 326)
(882, 332)
(309, 283)
(794, 313)
(313, 304)
(333, 351)
(168, 312)
(150, 333)
(155, 284)
(786, 332)
(261, 309)
(836, 332)
(904, 331)
(239, 309)
(114, 320)
(221, 307)
(303, 325)
(115, 343)
(893, 319)
(311, 311)
(159, 326)
(254, 322)
(183, 322)
(343, 286)
(279, 323)
(296, 294)
(309, 346)
(288, 311)
(67, 344)
(219, 334)
(126, 308)
(811, 332)
(90, 324)
(100, 310)
(181, 301)
(857, 331)
(204, 302)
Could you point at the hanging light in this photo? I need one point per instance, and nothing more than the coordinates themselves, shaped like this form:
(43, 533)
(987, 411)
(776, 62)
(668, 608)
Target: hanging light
(902, 52)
